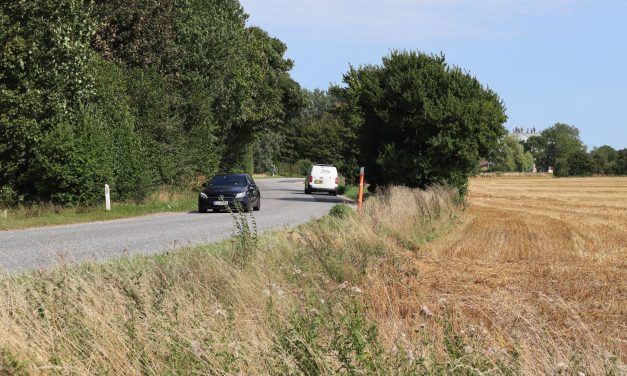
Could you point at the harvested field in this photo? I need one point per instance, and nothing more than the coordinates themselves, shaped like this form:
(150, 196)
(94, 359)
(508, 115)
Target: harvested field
(541, 262)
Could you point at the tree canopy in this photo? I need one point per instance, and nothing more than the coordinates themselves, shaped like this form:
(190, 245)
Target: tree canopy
(419, 121)
(555, 144)
(133, 93)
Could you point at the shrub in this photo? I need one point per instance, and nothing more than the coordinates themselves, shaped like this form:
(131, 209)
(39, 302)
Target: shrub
(420, 121)
(341, 211)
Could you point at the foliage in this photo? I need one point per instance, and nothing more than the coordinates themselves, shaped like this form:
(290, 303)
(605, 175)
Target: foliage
(267, 147)
(510, 156)
(604, 159)
(136, 94)
(620, 167)
(319, 139)
(580, 164)
(420, 121)
(43, 80)
(555, 143)
(245, 237)
(341, 211)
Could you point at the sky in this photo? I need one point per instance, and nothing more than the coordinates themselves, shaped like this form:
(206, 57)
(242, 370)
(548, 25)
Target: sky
(550, 61)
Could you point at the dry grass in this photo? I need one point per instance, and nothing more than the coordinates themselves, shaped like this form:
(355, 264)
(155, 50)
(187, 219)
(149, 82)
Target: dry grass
(355, 294)
(537, 264)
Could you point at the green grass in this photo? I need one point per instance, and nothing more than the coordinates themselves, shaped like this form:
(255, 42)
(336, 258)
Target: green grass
(51, 215)
(352, 191)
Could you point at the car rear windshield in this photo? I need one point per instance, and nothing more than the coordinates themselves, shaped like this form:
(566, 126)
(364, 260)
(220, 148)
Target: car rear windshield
(228, 180)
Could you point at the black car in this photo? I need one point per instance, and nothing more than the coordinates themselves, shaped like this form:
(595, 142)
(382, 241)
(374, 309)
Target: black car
(229, 191)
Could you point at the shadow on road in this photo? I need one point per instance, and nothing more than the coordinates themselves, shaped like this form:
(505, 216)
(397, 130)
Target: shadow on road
(317, 198)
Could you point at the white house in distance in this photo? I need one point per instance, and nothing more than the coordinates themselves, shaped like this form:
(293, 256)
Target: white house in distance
(523, 134)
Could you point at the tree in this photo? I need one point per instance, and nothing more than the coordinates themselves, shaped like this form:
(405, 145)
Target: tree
(270, 98)
(604, 159)
(136, 93)
(510, 156)
(620, 166)
(421, 122)
(580, 164)
(44, 57)
(555, 143)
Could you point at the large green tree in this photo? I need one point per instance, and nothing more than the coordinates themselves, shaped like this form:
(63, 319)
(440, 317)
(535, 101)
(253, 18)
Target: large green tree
(271, 98)
(44, 58)
(554, 144)
(136, 94)
(421, 121)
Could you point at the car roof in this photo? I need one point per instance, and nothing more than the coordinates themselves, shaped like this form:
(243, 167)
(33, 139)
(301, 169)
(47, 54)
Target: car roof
(238, 174)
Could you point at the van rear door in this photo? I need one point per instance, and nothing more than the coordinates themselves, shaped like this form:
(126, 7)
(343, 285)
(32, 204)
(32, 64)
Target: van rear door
(324, 177)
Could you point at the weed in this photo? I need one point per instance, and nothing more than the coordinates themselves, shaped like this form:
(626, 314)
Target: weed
(10, 365)
(245, 237)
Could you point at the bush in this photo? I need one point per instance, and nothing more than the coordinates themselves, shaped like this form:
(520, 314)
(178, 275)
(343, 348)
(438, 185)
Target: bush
(341, 211)
(421, 122)
(303, 166)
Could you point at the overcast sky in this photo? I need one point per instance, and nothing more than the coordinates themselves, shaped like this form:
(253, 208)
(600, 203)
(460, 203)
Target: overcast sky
(550, 61)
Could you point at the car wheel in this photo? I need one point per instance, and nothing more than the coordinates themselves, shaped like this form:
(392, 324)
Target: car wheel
(333, 193)
(202, 210)
(258, 206)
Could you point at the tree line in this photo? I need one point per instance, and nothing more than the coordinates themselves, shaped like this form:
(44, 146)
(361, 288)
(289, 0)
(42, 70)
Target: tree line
(140, 94)
(558, 147)
(132, 93)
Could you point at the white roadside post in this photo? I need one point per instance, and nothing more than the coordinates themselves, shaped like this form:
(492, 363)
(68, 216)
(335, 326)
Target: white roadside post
(107, 198)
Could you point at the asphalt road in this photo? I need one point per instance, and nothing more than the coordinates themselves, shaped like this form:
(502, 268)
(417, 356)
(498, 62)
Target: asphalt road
(283, 204)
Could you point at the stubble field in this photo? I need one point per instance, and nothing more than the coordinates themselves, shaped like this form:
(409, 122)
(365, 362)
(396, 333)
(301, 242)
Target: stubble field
(540, 262)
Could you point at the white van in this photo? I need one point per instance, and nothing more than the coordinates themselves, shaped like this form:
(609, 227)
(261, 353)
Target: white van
(322, 178)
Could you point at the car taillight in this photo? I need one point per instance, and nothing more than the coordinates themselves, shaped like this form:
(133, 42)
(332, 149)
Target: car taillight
(337, 180)
(310, 178)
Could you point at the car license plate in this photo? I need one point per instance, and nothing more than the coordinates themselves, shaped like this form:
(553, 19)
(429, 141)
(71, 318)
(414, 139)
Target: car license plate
(318, 181)
(220, 203)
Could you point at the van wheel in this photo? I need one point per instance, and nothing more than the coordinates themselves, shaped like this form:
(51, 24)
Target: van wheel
(307, 191)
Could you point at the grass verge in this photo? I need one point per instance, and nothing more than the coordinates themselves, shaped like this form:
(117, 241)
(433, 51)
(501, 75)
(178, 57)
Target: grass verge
(337, 295)
(50, 215)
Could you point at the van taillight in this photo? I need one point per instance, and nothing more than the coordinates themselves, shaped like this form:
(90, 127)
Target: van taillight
(337, 180)
(310, 178)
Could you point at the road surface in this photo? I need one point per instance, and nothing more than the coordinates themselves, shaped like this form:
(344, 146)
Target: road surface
(283, 204)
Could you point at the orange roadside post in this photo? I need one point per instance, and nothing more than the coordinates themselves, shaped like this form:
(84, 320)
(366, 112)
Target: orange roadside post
(360, 195)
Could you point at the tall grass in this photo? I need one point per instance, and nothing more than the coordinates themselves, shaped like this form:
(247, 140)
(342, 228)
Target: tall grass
(337, 295)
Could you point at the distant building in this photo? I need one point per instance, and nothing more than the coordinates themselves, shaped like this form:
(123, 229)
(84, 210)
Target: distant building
(523, 134)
